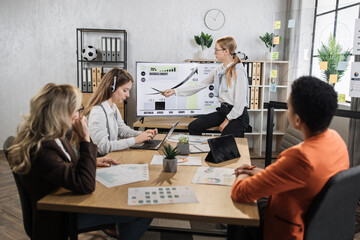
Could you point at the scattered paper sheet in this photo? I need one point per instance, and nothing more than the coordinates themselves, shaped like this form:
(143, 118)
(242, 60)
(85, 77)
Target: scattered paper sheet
(213, 175)
(199, 148)
(193, 139)
(182, 160)
(274, 73)
(333, 78)
(161, 195)
(117, 175)
(276, 40)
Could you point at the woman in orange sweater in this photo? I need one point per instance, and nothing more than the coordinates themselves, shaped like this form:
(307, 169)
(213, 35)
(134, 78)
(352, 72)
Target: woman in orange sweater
(300, 172)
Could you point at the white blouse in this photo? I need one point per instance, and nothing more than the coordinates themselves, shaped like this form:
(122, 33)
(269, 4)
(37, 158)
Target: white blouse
(121, 135)
(235, 95)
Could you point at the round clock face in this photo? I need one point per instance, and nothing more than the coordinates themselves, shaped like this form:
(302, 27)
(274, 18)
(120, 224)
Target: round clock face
(214, 19)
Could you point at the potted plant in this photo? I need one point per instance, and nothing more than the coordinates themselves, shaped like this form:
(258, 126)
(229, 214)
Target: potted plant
(183, 145)
(170, 160)
(332, 53)
(268, 39)
(205, 41)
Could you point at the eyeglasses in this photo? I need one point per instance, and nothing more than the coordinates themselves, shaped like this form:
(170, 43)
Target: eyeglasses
(216, 50)
(80, 110)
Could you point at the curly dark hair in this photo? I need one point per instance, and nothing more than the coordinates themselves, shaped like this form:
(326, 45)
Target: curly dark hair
(314, 101)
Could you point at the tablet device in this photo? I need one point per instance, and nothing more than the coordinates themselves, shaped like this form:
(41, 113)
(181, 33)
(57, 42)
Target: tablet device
(222, 149)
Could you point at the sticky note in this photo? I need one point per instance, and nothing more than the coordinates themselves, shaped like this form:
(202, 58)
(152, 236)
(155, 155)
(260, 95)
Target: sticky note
(273, 87)
(306, 54)
(275, 55)
(274, 73)
(341, 98)
(276, 40)
(323, 65)
(291, 23)
(341, 66)
(277, 24)
(333, 78)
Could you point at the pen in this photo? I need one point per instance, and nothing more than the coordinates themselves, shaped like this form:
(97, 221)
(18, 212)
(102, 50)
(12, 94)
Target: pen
(248, 168)
(158, 90)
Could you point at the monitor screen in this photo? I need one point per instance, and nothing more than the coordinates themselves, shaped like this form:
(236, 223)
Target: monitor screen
(154, 77)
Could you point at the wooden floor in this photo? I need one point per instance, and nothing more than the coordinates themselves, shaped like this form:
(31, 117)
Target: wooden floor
(11, 225)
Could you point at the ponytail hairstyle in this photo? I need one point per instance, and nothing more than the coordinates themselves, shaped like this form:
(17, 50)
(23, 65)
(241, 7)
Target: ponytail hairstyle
(229, 43)
(49, 118)
(105, 89)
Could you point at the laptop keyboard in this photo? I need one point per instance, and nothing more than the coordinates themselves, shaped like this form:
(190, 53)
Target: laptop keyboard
(150, 144)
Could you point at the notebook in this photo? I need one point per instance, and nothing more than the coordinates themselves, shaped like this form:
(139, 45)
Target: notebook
(154, 144)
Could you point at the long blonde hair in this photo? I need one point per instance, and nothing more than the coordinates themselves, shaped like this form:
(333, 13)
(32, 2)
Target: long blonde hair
(229, 43)
(49, 118)
(103, 92)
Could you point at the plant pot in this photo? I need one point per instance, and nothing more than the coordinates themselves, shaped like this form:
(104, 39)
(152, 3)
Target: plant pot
(268, 56)
(202, 54)
(183, 148)
(170, 165)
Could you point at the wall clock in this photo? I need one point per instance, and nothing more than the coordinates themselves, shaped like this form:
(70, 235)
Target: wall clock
(214, 19)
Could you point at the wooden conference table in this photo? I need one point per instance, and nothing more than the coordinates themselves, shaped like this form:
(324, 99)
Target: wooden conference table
(215, 204)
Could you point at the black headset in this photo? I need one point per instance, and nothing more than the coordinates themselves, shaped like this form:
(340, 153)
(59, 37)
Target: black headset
(113, 86)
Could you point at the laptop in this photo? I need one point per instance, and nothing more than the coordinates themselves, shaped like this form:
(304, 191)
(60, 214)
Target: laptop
(154, 144)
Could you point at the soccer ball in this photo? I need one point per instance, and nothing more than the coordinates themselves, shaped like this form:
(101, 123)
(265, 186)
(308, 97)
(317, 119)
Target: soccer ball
(89, 53)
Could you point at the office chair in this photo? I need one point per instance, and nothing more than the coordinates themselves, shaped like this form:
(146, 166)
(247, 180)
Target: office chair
(331, 215)
(25, 201)
(291, 137)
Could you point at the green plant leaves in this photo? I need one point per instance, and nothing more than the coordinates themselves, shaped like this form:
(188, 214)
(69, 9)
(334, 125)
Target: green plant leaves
(170, 152)
(332, 53)
(204, 40)
(268, 40)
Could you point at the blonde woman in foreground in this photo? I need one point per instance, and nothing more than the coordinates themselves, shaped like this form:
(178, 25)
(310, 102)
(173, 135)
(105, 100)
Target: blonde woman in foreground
(45, 161)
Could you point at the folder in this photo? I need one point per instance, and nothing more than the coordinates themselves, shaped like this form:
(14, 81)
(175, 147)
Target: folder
(256, 98)
(98, 76)
(108, 49)
(89, 81)
(253, 81)
(93, 79)
(113, 53)
(84, 80)
(249, 68)
(103, 48)
(252, 98)
(118, 49)
(258, 73)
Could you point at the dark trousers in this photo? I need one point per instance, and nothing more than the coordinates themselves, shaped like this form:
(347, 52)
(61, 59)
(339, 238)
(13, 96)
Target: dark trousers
(236, 232)
(236, 127)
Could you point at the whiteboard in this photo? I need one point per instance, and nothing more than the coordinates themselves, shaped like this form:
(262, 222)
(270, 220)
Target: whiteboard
(161, 76)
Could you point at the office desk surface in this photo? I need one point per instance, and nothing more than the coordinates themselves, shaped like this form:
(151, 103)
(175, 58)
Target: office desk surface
(215, 204)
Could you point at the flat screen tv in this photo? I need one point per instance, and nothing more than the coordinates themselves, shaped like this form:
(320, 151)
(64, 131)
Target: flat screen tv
(152, 77)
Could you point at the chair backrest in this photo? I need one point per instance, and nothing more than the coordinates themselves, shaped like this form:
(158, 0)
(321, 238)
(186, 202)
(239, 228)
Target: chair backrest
(292, 137)
(24, 196)
(332, 212)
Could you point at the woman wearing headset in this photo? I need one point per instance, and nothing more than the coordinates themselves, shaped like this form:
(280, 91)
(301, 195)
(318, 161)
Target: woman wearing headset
(107, 129)
(231, 88)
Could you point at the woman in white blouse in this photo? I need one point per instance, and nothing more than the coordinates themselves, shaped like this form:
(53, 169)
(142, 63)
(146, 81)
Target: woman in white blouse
(107, 129)
(230, 84)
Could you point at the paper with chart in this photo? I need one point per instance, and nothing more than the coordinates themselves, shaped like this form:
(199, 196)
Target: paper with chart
(214, 175)
(161, 195)
(182, 160)
(117, 175)
(193, 139)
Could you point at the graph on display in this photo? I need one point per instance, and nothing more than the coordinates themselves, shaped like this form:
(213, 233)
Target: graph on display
(153, 78)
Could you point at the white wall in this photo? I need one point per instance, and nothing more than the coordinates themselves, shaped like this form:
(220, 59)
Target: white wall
(38, 39)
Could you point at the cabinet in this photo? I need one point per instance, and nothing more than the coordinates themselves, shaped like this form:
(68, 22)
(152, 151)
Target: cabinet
(110, 46)
(268, 81)
(272, 85)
